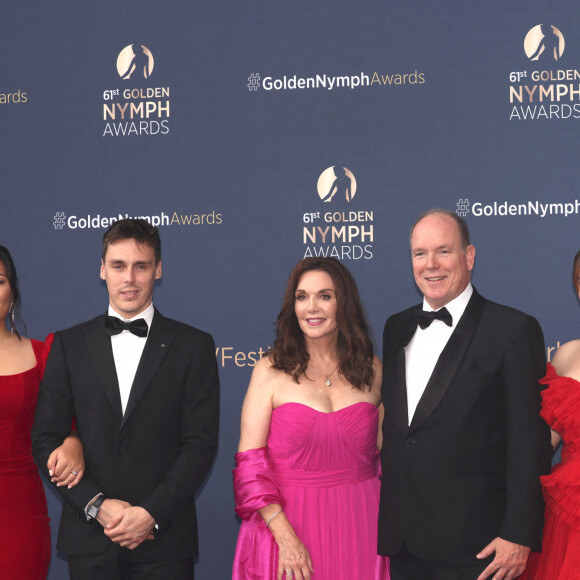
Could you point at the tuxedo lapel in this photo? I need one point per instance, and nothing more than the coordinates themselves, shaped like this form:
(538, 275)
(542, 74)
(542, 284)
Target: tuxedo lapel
(101, 352)
(398, 402)
(159, 341)
(449, 361)
(399, 398)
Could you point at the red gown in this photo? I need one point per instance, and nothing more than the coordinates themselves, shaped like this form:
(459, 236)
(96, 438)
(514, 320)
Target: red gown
(560, 557)
(24, 524)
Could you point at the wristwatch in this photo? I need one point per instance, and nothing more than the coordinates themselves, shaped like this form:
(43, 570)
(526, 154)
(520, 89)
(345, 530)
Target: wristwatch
(94, 508)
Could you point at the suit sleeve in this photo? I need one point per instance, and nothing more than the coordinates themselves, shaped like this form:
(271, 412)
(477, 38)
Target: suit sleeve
(528, 449)
(52, 423)
(199, 426)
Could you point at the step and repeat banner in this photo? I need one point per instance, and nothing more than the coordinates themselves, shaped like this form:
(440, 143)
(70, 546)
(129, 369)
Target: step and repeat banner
(255, 134)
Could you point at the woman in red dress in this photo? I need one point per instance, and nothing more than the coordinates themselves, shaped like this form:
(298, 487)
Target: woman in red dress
(560, 557)
(24, 527)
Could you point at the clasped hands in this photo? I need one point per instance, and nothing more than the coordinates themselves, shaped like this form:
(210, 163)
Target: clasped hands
(126, 525)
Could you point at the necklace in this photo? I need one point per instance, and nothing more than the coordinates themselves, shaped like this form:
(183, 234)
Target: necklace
(327, 375)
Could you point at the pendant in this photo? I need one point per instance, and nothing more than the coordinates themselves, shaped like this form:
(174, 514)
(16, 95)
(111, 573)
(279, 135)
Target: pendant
(328, 383)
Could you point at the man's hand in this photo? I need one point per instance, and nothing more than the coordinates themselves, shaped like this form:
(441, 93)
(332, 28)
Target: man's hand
(109, 509)
(130, 527)
(509, 562)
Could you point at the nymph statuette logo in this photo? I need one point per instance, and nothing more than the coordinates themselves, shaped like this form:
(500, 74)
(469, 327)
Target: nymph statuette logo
(135, 61)
(336, 183)
(544, 43)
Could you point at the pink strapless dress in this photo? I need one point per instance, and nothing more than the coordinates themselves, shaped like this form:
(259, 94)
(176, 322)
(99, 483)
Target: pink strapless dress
(323, 469)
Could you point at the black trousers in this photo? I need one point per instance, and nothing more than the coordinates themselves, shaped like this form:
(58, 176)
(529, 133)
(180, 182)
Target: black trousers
(405, 566)
(118, 563)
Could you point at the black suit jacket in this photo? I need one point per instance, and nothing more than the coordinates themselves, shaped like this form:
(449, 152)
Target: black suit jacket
(156, 455)
(467, 468)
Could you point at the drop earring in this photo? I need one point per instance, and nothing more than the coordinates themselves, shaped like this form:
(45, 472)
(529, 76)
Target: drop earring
(11, 316)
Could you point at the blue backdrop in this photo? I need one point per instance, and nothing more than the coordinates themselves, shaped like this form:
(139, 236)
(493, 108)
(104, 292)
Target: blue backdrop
(257, 133)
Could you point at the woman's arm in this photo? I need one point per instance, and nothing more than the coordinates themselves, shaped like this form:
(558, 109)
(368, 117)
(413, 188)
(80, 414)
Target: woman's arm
(376, 390)
(255, 426)
(555, 437)
(257, 407)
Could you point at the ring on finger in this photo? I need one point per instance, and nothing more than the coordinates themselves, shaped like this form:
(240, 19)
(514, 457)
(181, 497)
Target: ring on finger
(74, 472)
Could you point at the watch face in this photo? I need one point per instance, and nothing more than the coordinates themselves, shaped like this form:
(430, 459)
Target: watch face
(93, 511)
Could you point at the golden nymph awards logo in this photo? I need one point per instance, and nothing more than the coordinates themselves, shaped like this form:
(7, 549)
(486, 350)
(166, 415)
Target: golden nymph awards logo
(540, 90)
(346, 234)
(142, 110)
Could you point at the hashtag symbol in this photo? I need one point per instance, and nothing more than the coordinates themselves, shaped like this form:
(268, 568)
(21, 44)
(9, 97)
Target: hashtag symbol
(59, 220)
(462, 207)
(253, 82)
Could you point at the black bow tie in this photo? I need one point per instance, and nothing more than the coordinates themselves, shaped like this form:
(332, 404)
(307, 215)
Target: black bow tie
(425, 317)
(114, 325)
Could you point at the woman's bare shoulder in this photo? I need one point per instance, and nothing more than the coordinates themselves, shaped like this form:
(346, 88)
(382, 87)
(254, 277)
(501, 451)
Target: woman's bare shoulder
(265, 373)
(566, 360)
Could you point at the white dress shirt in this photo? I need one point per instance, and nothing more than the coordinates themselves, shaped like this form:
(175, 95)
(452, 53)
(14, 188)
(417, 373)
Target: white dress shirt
(127, 351)
(424, 349)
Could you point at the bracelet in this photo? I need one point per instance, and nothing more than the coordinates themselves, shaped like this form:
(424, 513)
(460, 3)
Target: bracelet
(272, 517)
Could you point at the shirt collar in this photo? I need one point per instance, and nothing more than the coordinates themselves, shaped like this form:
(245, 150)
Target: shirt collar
(147, 314)
(457, 306)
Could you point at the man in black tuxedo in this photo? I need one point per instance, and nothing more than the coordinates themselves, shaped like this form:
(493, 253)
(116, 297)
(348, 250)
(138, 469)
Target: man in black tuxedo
(463, 442)
(144, 393)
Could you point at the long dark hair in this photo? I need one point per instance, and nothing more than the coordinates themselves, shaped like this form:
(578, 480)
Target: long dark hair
(355, 352)
(13, 313)
(576, 272)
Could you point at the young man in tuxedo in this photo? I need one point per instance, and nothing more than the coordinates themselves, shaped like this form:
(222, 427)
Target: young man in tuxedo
(144, 393)
(463, 443)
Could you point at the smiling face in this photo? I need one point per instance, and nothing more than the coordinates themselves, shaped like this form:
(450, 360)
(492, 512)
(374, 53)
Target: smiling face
(130, 271)
(315, 305)
(441, 267)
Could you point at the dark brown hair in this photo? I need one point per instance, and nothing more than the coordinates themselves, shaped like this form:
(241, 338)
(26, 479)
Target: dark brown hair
(14, 314)
(354, 347)
(136, 229)
(576, 272)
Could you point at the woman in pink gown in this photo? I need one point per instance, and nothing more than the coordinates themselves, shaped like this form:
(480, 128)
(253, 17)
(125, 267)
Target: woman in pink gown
(306, 480)
(24, 527)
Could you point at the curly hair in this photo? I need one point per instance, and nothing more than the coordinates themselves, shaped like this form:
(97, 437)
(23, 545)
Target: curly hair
(355, 351)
